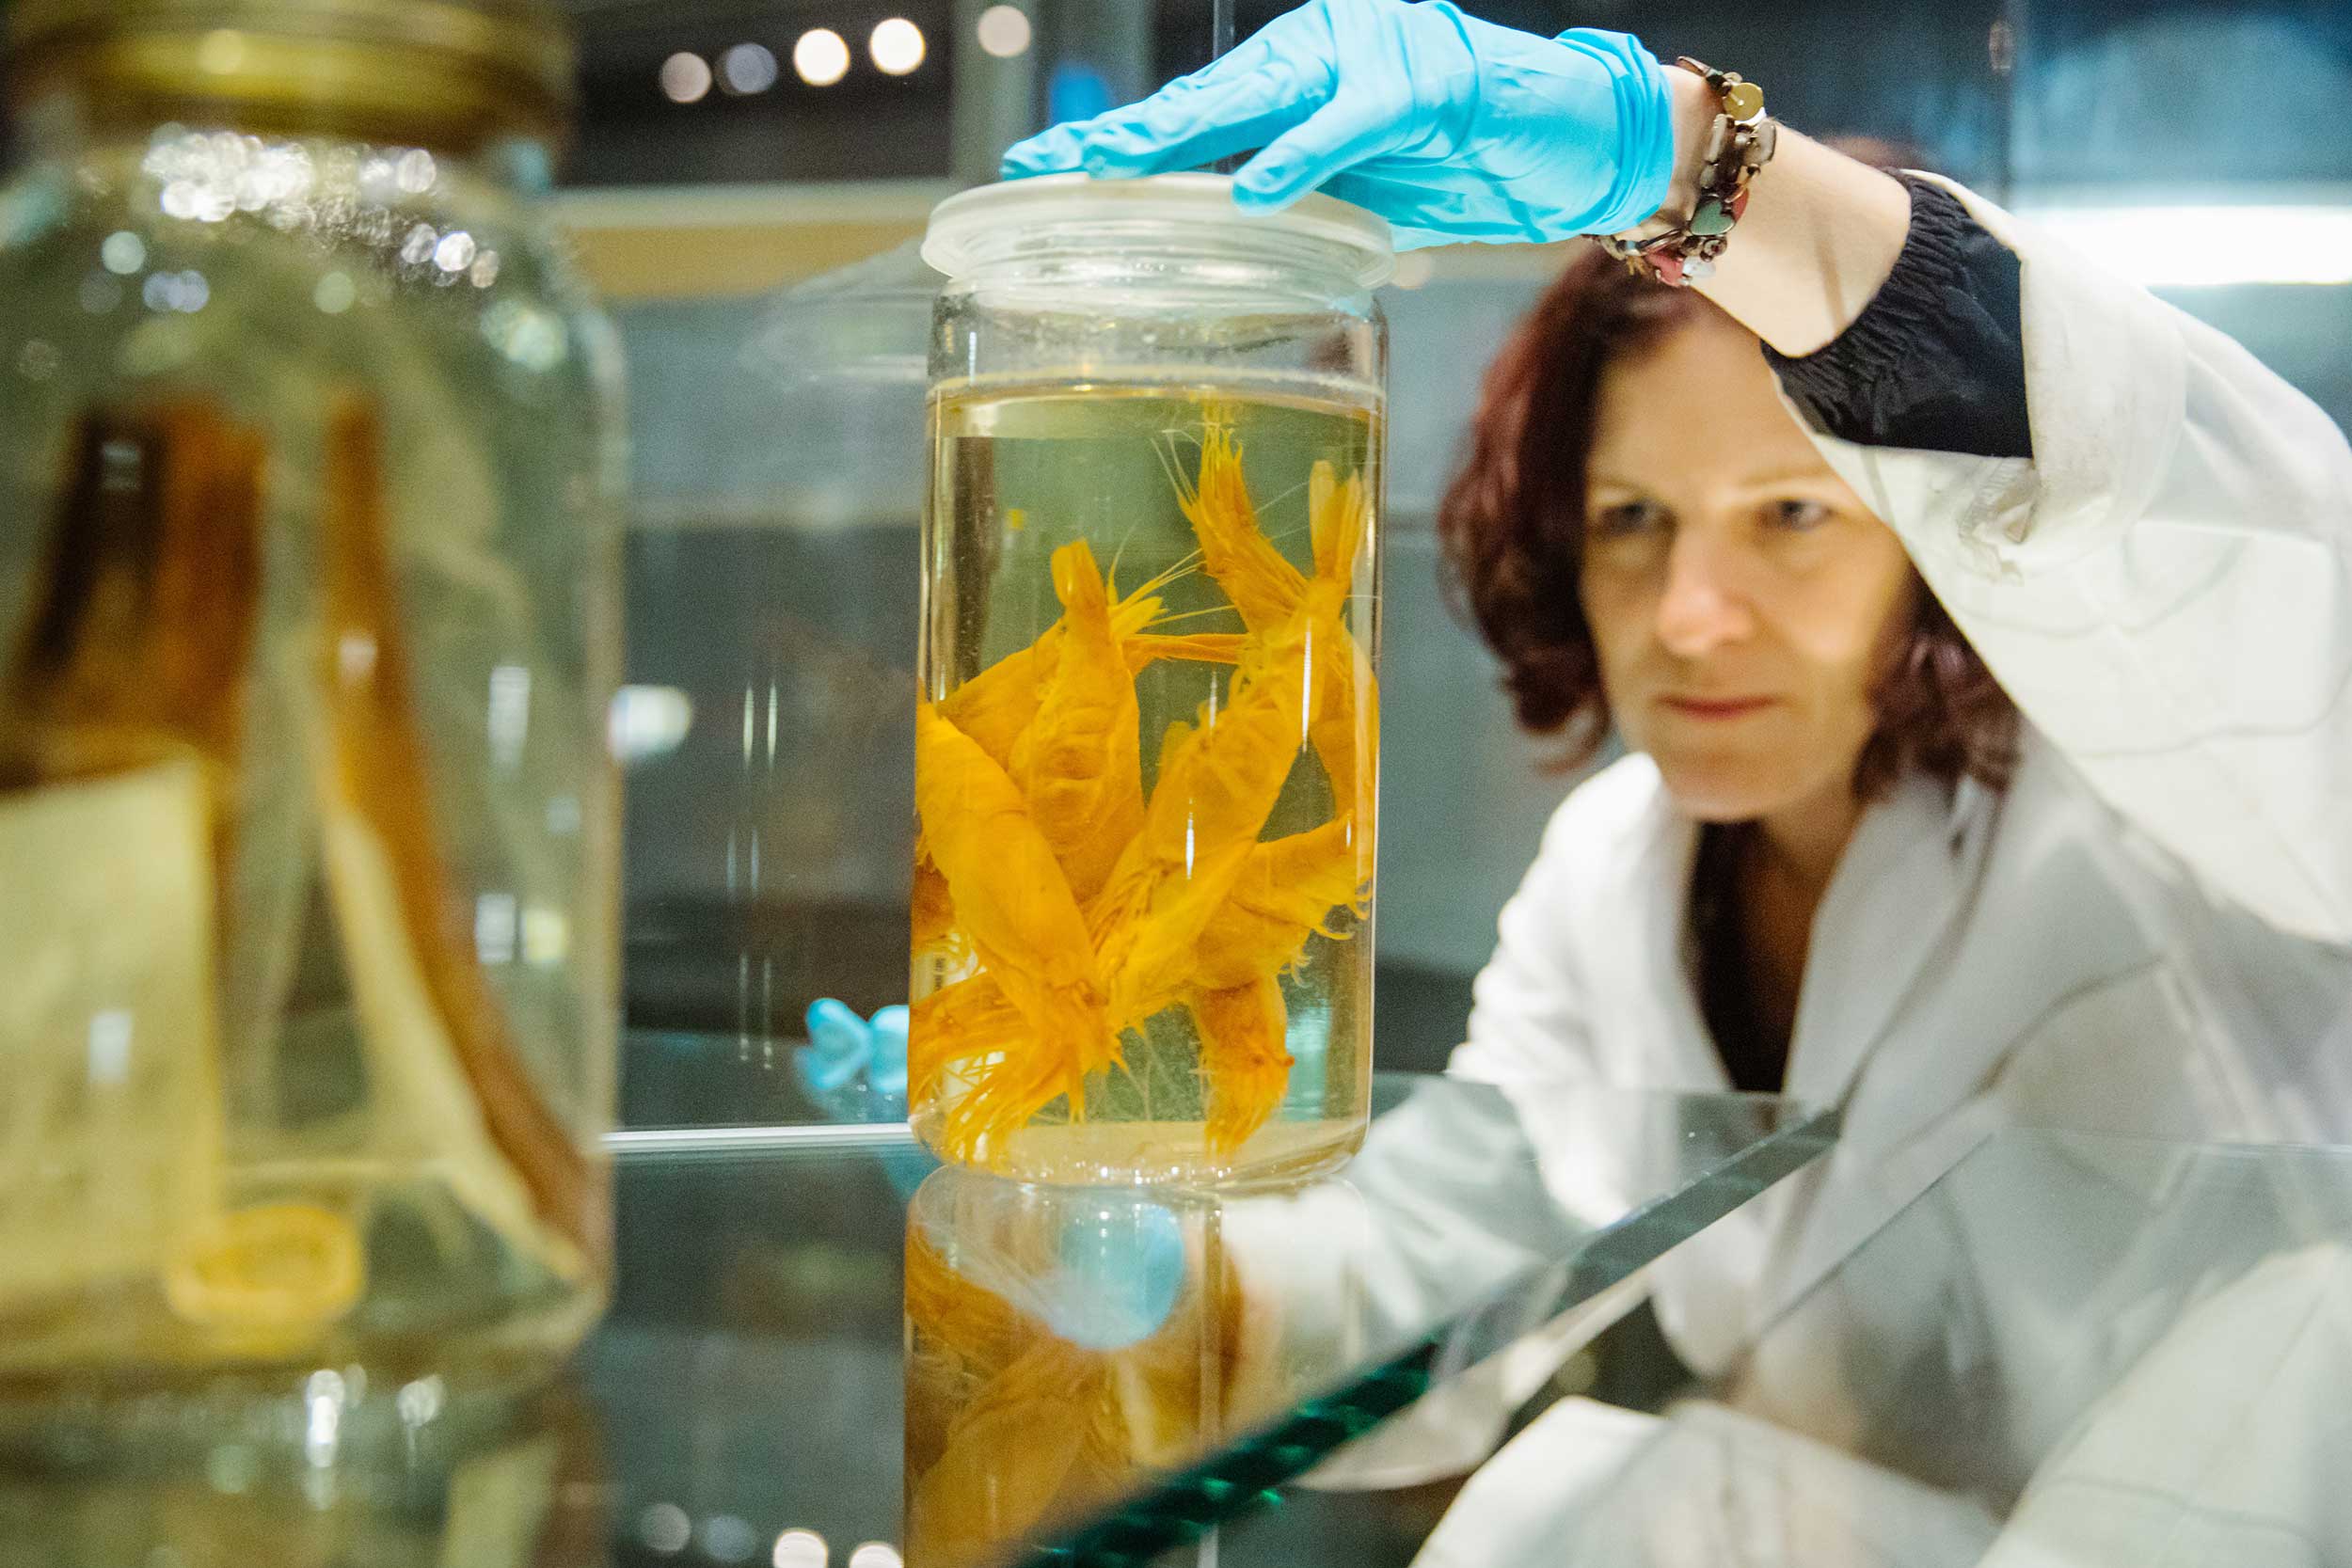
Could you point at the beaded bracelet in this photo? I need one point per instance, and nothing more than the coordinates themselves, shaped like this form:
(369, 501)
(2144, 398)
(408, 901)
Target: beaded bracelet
(1742, 140)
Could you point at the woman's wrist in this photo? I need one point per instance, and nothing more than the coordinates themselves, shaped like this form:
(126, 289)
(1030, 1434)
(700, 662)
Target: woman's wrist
(1820, 236)
(1695, 106)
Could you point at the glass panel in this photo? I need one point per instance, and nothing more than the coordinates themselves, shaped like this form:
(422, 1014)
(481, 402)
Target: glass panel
(2101, 1347)
(752, 1380)
(1442, 1246)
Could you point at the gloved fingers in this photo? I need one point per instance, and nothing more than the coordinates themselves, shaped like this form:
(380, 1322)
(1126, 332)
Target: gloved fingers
(1343, 131)
(1121, 152)
(887, 1072)
(1122, 1269)
(1053, 151)
(1125, 148)
(840, 1044)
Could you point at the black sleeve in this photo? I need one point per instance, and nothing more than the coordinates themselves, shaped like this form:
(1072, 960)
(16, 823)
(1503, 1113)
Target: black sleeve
(1936, 361)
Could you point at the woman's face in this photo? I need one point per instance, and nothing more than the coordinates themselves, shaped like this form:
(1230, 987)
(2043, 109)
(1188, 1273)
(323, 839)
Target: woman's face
(1742, 600)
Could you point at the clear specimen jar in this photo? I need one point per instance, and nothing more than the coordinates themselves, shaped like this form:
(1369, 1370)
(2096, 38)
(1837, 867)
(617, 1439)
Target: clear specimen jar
(1147, 746)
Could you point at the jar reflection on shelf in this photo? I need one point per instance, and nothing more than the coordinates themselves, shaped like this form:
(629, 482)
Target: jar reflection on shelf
(408, 1491)
(1067, 1345)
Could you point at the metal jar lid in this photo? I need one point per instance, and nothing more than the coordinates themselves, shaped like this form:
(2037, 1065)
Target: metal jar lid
(446, 71)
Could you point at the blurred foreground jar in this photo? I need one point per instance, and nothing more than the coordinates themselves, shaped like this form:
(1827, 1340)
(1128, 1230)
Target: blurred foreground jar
(1146, 750)
(307, 849)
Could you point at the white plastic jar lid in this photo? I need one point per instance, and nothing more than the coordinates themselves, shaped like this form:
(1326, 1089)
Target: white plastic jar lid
(969, 228)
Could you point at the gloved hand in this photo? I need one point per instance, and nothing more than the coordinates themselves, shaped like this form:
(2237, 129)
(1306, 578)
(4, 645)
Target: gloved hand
(1450, 128)
(856, 1067)
(1117, 1269)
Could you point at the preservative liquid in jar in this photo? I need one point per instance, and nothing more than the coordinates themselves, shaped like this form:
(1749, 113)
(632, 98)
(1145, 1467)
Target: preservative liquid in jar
(308, 443)
(1147, 749)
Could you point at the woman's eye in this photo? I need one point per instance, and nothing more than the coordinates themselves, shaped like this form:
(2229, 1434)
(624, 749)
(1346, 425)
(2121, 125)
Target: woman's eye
(1627, 519)
(1796, 515)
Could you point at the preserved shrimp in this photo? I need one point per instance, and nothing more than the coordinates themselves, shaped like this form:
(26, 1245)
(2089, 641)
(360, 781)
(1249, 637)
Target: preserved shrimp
(1062, 907)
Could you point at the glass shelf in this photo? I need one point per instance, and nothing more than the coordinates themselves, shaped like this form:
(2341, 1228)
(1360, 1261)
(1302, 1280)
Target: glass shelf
(765, 1368)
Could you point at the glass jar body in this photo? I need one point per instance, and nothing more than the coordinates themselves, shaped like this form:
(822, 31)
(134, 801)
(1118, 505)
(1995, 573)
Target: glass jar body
(307, 587)
(1147, 749)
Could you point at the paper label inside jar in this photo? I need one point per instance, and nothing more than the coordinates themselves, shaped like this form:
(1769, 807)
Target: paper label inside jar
(110, 1116)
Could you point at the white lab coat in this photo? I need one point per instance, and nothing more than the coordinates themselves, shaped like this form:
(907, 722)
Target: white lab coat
(2149, 932)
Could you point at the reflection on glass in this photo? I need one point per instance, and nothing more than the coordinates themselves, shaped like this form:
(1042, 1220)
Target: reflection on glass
(767, 728)
(422, 1493)
(1066, 1345)
(2099, 1348)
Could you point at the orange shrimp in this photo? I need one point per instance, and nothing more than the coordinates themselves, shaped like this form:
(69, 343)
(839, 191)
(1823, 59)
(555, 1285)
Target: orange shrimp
(1339, 518)
(1288, 891)
(1263, 586)
(1216, 785)
(1345, 726)
(995, 707)
(1015, 907)
(1034, 767)
(954, 1025)
(1079, 764)
(1242, 1057)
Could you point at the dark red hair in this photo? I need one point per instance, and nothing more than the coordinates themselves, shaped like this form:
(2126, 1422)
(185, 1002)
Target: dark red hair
(1512, 529)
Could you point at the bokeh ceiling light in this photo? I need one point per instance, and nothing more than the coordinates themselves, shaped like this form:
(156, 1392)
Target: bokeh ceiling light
(685, 77)
(1003, 31)
(896, 46)
(820, 58)
(746, 68)
(800, 1549)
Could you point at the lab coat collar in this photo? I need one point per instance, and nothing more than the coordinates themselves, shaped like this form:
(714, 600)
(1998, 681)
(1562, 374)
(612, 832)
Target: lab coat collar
(1894, 902)
(1663, 890)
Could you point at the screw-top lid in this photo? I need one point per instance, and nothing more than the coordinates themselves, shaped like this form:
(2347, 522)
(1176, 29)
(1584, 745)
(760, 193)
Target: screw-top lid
(443, 71)
(972, 229)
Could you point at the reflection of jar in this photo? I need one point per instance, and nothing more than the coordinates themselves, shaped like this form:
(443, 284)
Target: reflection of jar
(533, 1490)
(1068, 1346)
(306, 637)
(1145, 763)
(1064, 1345)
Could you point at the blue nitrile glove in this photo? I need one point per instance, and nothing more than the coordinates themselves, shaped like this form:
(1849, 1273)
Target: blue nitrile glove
(855, 1069)
(840, 1043)
(1122, 1269)
(844, 1048)
(1449, 127)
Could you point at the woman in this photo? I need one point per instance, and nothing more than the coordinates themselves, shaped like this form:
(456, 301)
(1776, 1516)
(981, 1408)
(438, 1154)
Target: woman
(1980, 627)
